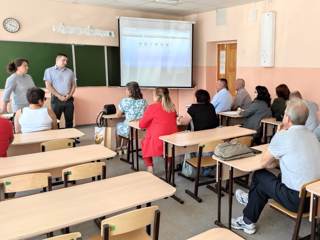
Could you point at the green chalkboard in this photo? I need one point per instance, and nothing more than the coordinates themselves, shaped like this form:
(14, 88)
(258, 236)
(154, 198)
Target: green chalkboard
(40, 56)
(90, 65)
(113, 56)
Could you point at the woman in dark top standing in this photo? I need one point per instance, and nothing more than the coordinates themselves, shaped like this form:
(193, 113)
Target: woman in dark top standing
(279, 104)
(201, 114)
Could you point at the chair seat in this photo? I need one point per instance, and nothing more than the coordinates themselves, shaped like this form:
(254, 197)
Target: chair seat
(134, 235)
(205, 162)
(282, 209)
(217, 234)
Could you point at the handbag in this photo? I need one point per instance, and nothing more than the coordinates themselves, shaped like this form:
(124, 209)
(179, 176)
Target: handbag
(233, 150)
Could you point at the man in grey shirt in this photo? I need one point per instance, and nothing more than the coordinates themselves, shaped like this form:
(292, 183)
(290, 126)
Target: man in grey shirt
(61, 83)
(242, 99)
(297, 150)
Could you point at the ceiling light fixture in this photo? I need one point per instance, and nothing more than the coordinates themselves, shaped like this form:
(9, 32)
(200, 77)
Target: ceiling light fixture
(172, 2)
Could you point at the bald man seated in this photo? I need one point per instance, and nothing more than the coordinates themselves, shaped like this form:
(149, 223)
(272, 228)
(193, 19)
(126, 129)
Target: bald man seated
(242, 99)
(297, 150)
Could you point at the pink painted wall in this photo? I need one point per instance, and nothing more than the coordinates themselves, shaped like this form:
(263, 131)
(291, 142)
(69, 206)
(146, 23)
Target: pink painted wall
(37, 18)
(297, 49)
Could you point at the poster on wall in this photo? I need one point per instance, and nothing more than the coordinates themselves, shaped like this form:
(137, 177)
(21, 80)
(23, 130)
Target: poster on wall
(222, 60)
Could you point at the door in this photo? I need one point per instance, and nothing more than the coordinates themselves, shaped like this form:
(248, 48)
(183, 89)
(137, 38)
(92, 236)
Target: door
(227, 64)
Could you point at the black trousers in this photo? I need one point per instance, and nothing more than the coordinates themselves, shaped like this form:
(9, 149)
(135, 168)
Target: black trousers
(266, 185)
(67, 108)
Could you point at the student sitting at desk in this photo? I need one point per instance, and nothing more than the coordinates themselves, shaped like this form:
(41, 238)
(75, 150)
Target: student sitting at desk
(133, 107)
(201, 114)
(299, 164)
(313, 121)
(279, 104)
(35, 117)
(257, 110)
(242, 99)
(159, 119)
(222, 101)
(6, 136)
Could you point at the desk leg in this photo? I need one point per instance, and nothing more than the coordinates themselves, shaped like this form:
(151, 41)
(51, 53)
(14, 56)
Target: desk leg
(230, 196)
(314, 211)
(166, 160)
(173, 164)
(265, 128)
(132, 149)
(219, 166)
(137, 150)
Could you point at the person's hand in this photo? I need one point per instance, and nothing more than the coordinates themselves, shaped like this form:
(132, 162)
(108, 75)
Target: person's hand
(179, 119)
(62, 98)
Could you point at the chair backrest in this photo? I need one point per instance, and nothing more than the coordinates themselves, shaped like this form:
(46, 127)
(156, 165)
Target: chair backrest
(84, 171)
(57, 144)
(209, 146)
(26, 182)
(246, 140)
(131, 221)
(68, 236)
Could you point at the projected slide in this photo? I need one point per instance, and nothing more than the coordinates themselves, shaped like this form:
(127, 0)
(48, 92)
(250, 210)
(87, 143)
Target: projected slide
(156, 52)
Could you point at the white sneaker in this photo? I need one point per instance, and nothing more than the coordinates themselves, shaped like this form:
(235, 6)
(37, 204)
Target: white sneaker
(239, 224)
(242, 197)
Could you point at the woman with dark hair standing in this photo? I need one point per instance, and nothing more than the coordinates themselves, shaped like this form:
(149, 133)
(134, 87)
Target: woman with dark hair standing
(279, 104)
(132, 107)
(17, 84)
(201, 115)
(257, 110)
(159, 119)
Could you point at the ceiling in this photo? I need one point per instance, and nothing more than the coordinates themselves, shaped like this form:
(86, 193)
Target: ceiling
(176, 7)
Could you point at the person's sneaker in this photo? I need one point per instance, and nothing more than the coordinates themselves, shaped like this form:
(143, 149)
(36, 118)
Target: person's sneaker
(239, 224)
(242, 197)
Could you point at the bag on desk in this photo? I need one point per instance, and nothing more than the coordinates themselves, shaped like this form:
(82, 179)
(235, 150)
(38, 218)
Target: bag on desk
(233, 150)
(99, 133)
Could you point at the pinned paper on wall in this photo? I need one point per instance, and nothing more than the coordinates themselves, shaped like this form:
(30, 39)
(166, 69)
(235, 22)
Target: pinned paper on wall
(222, 60)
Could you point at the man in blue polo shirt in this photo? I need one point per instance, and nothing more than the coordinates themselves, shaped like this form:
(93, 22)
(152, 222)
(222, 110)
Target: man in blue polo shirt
(61, 83)
(222, 101)
(297, 150)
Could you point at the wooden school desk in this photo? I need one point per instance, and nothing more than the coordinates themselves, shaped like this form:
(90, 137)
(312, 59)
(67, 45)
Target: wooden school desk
(217, 234)
(8, 116)
(269, 122)
(110, 122)
(37, 162)
(193, 139)
(314, 189)
(24, 143)
(230, 115)
(248, 164)
(41, 213)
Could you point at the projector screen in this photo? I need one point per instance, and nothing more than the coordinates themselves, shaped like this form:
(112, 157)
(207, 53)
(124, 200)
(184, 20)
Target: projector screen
(156, 52)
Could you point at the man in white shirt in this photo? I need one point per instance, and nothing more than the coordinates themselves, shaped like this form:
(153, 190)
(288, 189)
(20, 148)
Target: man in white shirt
(222, 101)
(297, 150)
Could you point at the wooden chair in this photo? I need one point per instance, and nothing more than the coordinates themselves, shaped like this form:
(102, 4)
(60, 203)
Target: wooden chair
(297, 217)
(57, 144)
(199, 162)
(84, 171)
(26, 182)
(246, 140)
(217, 234)
(69, 236)
(133, 225)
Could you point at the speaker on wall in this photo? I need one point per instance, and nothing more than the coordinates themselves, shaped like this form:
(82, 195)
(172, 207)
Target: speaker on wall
(267, 39)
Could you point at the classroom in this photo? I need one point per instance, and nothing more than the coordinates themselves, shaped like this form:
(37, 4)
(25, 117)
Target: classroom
(159, 119)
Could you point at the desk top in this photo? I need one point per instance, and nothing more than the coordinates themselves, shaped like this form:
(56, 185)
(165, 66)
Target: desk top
(272, 121)
(314, 188)
(7, 115)
(112, 116)
(217, 234)
(134, 124)
(37, 162)
(43, 136)
(231, 114)
(37, 214)
(248, 164)
(182, 139)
